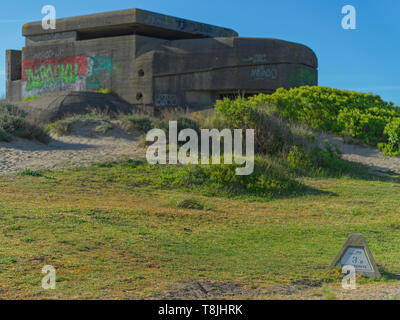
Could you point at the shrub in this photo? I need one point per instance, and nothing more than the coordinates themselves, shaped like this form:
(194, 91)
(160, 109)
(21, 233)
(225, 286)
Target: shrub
(182, 123)
(30, 172)
(13, 123)
(106, 128)
(272, 134)
(298, 159)
(60, 127)
(364, 126)
(358, 115)
(141, 123)
(63, 126)
(266, 181)
(392, 130)
(4, 136)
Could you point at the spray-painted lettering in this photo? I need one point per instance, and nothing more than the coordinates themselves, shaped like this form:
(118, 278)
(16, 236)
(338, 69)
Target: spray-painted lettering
(77, 73)
(263, 72)
(302, 77)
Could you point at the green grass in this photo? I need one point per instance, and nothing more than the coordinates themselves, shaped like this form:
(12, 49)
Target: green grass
(192, 203)
(114, 231)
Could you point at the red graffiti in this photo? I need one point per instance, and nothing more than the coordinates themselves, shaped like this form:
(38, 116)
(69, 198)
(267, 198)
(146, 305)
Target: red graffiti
(35, 64)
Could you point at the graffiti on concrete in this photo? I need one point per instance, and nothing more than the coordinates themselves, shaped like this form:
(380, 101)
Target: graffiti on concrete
(264, 72)
(77, 73)
(41, 75)
(49, 74)
(160, 20)
(166, 100)
(302, 77)
(100, 69)
(49, 54)
(257, 58)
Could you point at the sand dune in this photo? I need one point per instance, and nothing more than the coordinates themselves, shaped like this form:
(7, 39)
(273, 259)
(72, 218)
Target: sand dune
(83, 146)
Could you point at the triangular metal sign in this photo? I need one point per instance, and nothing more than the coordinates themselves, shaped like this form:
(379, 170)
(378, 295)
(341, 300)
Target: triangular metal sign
(355, 252)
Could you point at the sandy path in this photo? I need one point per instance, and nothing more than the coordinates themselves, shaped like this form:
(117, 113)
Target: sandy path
(366, 155)
(377, 291)
(228, 290)
(86, 145)
(83, 146)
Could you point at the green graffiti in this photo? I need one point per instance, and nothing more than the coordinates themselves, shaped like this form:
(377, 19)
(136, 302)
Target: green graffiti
(48, 75)
(302, 77)
(100, 71)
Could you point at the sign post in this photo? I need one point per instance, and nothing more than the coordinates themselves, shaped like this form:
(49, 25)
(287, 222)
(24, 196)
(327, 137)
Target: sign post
(355, 252)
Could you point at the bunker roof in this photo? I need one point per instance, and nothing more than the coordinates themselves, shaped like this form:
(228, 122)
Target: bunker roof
(131, 21)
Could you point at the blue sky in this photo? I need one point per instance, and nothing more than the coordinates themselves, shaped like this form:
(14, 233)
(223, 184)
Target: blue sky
(366, 59)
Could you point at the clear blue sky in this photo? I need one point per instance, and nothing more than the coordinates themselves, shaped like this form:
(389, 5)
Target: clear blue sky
(366, 59)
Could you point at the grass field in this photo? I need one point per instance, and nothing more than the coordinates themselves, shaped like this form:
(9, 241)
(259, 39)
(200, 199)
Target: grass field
(112, 231)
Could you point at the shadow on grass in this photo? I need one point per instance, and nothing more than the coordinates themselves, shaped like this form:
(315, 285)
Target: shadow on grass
(388, 275)
(353, 170)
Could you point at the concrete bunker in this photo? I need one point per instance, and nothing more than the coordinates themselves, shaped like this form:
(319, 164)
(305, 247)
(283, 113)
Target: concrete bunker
(150, 59)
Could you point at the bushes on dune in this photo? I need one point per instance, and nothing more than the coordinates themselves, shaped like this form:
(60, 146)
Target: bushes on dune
(13, 123)
(392, 131)
(363, 116)
(267, 181)
(276, 136)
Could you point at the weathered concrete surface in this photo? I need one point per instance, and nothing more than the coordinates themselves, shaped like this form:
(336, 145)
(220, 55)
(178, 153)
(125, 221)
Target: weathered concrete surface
(149, 59)
(13, 72)
(197, 72)
(56, 105)
(128, 22)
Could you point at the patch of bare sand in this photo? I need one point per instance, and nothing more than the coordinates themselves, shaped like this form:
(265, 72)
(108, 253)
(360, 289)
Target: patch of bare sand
(207, 290)
(210, 290)
(363, 154)
(83, 146)
(377, 291)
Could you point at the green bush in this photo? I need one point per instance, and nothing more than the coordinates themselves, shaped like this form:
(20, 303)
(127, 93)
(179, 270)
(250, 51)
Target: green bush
(13, 123)
(60, 127)
(4, 136)
(367, 127)
(30, 172)
(392, 130)
(363, 116)
(106, 128)
(266, 181)
(298, 159)
(272, 134)
(141, 123)
(182, 123)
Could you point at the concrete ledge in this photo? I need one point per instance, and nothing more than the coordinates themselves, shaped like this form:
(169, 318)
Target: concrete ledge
(134, 21)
